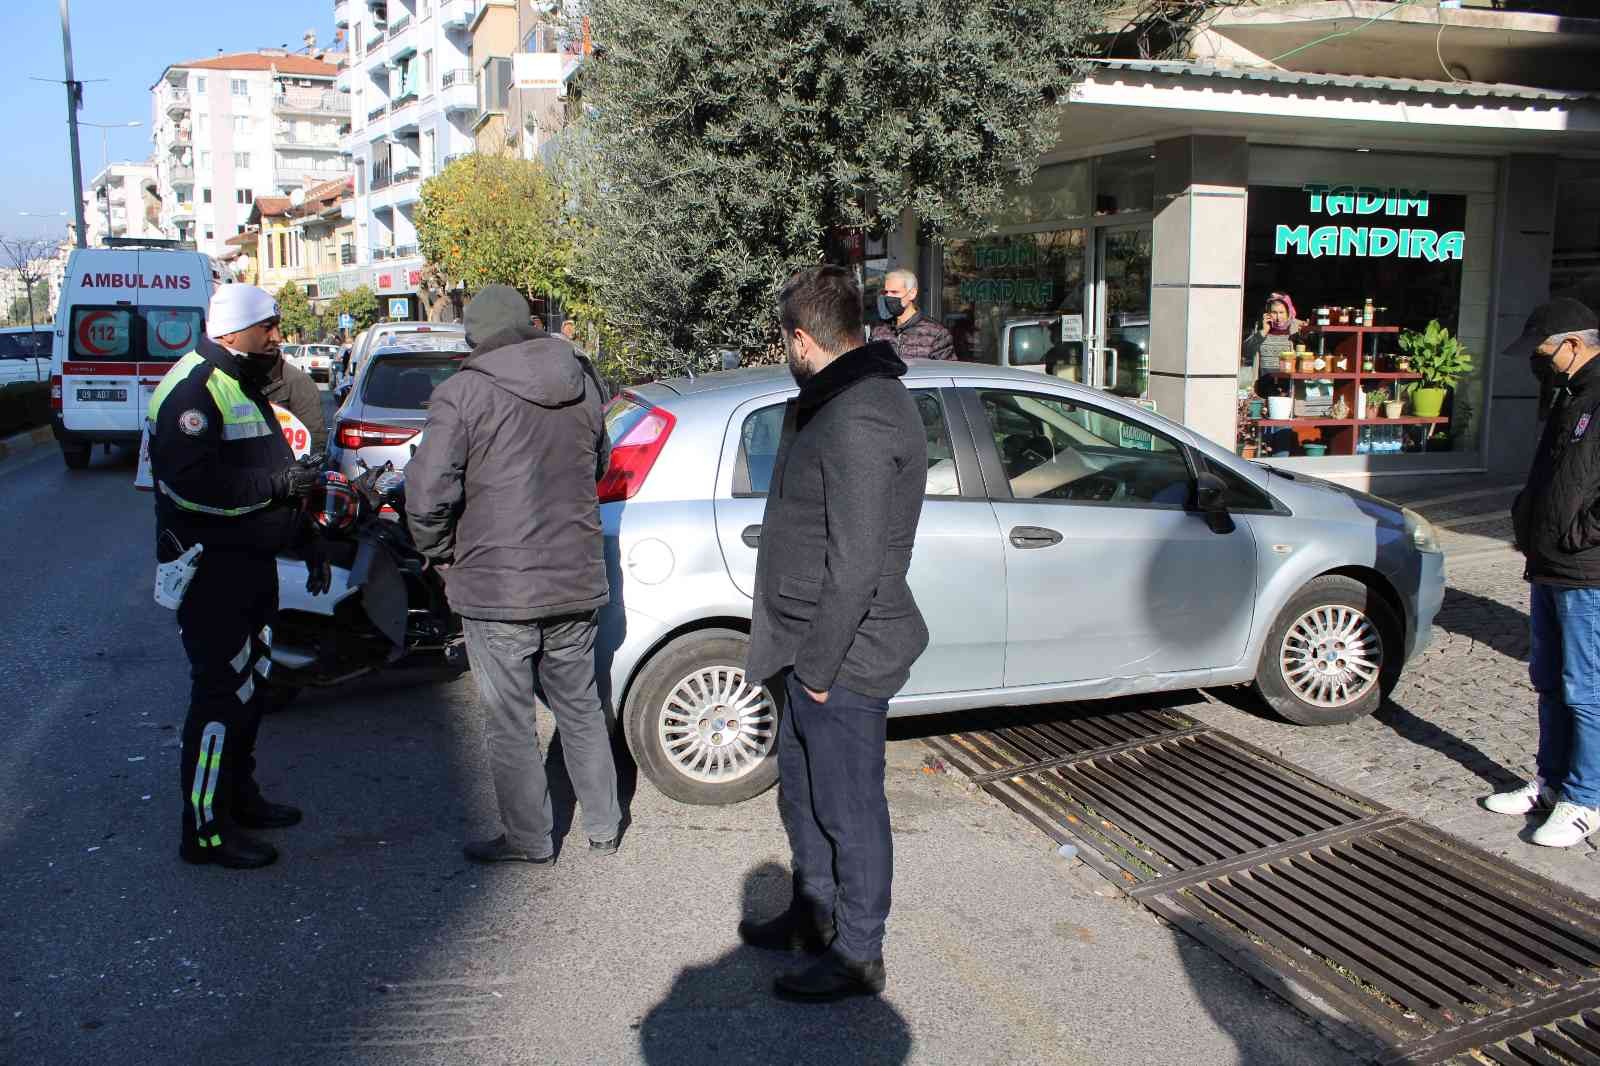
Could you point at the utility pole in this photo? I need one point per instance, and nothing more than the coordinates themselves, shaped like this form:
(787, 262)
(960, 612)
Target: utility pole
(74, 101)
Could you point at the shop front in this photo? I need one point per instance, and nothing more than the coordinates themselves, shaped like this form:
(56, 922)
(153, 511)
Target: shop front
(1295, 277)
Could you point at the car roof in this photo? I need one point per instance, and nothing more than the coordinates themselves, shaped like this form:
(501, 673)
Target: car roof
(764, 378)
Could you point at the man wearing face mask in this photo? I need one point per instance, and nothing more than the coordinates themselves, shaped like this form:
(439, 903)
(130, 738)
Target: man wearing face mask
(903, 325)
(1556, 518)
(226, 480)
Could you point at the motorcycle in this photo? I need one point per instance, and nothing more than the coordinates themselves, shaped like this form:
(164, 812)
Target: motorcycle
(385, 603)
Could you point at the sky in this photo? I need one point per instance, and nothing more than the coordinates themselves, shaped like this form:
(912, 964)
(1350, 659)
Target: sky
(128, 45)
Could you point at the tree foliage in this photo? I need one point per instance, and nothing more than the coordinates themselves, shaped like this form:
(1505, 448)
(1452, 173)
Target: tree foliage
(726, 146)
(299, 322)
(359, 303)
(19, 311)
(488, 219)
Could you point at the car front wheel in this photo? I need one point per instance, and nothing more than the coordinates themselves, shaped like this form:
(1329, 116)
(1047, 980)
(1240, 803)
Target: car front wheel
(700, 732)
(1332, 655)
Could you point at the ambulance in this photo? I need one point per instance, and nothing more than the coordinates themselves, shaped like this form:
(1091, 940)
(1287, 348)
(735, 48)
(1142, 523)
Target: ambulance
(126, 314)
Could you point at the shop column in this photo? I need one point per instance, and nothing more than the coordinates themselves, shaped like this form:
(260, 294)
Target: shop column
(1197, 282)
(1524, 244)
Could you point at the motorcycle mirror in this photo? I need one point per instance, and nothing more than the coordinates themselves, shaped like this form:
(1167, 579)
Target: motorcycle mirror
(413, 451)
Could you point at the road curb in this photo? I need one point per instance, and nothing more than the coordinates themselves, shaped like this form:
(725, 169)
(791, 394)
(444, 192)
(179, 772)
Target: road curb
(26, 441)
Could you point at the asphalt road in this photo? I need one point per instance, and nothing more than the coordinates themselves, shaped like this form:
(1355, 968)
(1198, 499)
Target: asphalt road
(372, 941)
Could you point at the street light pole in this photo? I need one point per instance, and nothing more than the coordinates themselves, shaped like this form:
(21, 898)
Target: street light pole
(74, 98)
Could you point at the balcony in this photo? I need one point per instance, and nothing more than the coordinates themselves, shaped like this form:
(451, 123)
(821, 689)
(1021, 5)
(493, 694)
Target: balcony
(183, 209)
(325, 140)
(380, 254)
(347, 209)
(341, 13)
(405, 251)
(347, 255)
(178, 102)
(399, 26)
(182, 138)
(457, 14)
(376, 113)
(330, 103)
(290, 177)
(458, 92)
(382, 178)
(182, 174)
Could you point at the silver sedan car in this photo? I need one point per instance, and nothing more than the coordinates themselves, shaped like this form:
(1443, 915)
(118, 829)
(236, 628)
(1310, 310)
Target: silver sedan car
(1072, 546)
(384, 407)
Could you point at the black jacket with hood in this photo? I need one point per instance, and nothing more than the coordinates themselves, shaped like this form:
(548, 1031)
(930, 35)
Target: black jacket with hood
(1556, 517)
(503, 485)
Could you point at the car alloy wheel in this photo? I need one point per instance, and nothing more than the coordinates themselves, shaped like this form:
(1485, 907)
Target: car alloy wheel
(1331, 656)
(715, 727)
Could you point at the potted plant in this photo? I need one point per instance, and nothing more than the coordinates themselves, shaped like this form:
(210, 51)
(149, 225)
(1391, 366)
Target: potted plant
(1375, 401)
(1394, 408)
(1441, 361)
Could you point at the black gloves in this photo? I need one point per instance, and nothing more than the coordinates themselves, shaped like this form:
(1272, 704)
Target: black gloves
(319, 572)
(293, 483)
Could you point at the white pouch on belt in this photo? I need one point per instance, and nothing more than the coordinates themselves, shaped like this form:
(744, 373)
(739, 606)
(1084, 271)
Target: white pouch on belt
(172, 579)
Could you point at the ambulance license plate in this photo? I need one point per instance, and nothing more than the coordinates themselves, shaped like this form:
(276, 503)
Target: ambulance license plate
(102, 395)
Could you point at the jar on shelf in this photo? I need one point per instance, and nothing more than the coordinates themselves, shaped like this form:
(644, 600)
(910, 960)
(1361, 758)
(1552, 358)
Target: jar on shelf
(1344, 316)
(1368, 365)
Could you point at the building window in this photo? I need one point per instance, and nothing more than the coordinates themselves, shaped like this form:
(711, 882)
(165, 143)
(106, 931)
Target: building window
(283, 250)
(205, 196)
(1361, 266)
(494, 85)
(427, 72)
(240, 86)
(241, 160)
(205, 160)
(210, 233)
(244, 196)
(200, 85)
(241, 124)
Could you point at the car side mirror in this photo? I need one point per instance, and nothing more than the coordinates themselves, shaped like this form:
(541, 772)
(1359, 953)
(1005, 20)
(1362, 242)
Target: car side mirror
(342, 391)
(1210, 495)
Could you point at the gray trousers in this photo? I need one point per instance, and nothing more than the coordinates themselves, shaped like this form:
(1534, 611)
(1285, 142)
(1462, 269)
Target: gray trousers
(505, 657)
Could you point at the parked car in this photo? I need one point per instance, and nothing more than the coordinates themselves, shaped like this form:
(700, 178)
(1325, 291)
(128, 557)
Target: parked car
(318, 361)
(1072, 546)
(385, 405)
(25, 354)
(386, 333)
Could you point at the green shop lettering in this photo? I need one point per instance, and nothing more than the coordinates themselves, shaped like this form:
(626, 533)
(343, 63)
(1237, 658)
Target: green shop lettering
(1019, 292)
(1368, 241)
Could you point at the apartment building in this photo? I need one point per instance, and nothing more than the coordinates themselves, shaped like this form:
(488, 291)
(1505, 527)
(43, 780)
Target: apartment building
(234, 127)
(303, 237)
(413, 102)
(122, 201)
(523, 55)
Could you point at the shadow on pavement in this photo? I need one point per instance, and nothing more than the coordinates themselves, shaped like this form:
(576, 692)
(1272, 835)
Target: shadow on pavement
(1484, 621)
(724, 1011)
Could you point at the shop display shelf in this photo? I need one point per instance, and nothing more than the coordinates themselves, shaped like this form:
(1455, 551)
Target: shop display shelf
(1314, 328)
(1315, 375)
(1403, 420)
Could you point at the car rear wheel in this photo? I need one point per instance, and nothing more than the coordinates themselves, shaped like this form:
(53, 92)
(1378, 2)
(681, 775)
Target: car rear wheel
(700, 732)
(1332, 655)
(76, 456)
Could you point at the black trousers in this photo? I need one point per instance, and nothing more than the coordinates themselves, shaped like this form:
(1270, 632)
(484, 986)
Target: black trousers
(830, 794)
(225, 619)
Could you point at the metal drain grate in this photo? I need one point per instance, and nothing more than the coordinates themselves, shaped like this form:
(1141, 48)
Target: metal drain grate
(1325, 896)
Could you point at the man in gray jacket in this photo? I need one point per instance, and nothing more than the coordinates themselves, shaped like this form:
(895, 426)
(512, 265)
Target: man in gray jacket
(836, 628)
(501, 496)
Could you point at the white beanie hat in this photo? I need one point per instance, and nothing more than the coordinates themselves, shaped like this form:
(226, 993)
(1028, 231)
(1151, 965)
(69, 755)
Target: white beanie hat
(235, 307)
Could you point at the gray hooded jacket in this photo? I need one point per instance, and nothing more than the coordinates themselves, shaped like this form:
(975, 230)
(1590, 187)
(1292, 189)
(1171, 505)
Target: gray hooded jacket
(503, 485)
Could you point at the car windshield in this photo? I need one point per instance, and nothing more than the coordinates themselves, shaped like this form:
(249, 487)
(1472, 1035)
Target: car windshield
(405, 381)
(289, 349)
(22, 345)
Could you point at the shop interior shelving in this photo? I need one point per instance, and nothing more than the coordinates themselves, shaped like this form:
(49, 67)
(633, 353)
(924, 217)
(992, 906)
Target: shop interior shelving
(1341, 434)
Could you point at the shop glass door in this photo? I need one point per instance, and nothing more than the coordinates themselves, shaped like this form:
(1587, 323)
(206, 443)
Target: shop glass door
(1119, 344)
(1021, 300)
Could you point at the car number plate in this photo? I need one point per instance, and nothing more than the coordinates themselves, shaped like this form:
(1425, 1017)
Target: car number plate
(104, 395)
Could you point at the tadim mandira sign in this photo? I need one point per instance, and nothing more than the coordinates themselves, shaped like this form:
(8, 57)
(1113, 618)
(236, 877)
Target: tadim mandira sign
(1365, 240)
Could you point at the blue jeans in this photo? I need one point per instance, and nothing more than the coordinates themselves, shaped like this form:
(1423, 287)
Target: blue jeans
(830, 794)
(1564, 666)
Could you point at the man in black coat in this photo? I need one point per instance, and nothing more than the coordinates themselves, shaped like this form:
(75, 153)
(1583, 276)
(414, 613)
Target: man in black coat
(501, 495)
(1556, 519)
(836, 627)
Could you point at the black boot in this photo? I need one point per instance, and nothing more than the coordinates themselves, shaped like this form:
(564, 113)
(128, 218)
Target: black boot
(796, 929)
(498, 850)
(236, 852)
(831, 978)
(259, 813)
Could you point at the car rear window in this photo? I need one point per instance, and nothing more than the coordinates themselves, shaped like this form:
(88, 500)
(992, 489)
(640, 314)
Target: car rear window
(407, 381)
(126, 334)
(24, 345)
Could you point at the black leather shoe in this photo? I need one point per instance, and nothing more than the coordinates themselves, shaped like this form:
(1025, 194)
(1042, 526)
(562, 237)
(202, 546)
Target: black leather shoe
(497, 850)
(793, 930)
(237, 852)
(263, 814)
(605, 847)
(831, 978)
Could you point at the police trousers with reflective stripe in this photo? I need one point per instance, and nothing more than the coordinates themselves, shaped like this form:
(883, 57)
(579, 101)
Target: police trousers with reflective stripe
(226, 619)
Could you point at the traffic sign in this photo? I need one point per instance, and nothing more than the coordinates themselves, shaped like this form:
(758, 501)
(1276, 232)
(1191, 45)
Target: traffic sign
(347, 321)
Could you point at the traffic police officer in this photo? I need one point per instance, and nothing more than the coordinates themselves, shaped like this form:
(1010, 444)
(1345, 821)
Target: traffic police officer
(226, 479)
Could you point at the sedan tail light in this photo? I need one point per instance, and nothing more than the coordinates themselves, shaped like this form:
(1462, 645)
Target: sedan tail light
(636, 450)
(369, 434)
(55, 393)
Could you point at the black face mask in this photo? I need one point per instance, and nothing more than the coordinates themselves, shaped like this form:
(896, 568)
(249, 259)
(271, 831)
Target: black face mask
(890, 308)
(1552, 382)
(256, 367)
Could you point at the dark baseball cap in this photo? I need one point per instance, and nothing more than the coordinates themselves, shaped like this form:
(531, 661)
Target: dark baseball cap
(1548, 320)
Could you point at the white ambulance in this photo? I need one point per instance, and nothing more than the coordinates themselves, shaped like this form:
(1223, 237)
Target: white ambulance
(126, 315)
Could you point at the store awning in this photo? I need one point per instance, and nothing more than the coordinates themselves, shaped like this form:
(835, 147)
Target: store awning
(1285, 105)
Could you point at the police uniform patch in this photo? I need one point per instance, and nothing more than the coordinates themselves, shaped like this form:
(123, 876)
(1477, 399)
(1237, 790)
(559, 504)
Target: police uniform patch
(1581, 428)
(192, 422)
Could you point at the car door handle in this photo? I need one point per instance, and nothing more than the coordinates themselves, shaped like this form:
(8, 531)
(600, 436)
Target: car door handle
(751, 536)
(1034, 537)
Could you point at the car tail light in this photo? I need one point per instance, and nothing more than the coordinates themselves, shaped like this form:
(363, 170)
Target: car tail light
(372, 434)
(55, 393)
(634, 454)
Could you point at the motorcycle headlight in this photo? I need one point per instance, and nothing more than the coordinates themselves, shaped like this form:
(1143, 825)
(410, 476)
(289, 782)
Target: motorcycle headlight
(1421, 532)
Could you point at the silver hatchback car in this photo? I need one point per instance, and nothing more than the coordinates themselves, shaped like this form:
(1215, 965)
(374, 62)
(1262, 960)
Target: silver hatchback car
(1072, 546)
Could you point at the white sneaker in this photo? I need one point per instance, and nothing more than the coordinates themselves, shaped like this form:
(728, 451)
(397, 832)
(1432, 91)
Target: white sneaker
(1535, 795)
(1567, 825)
